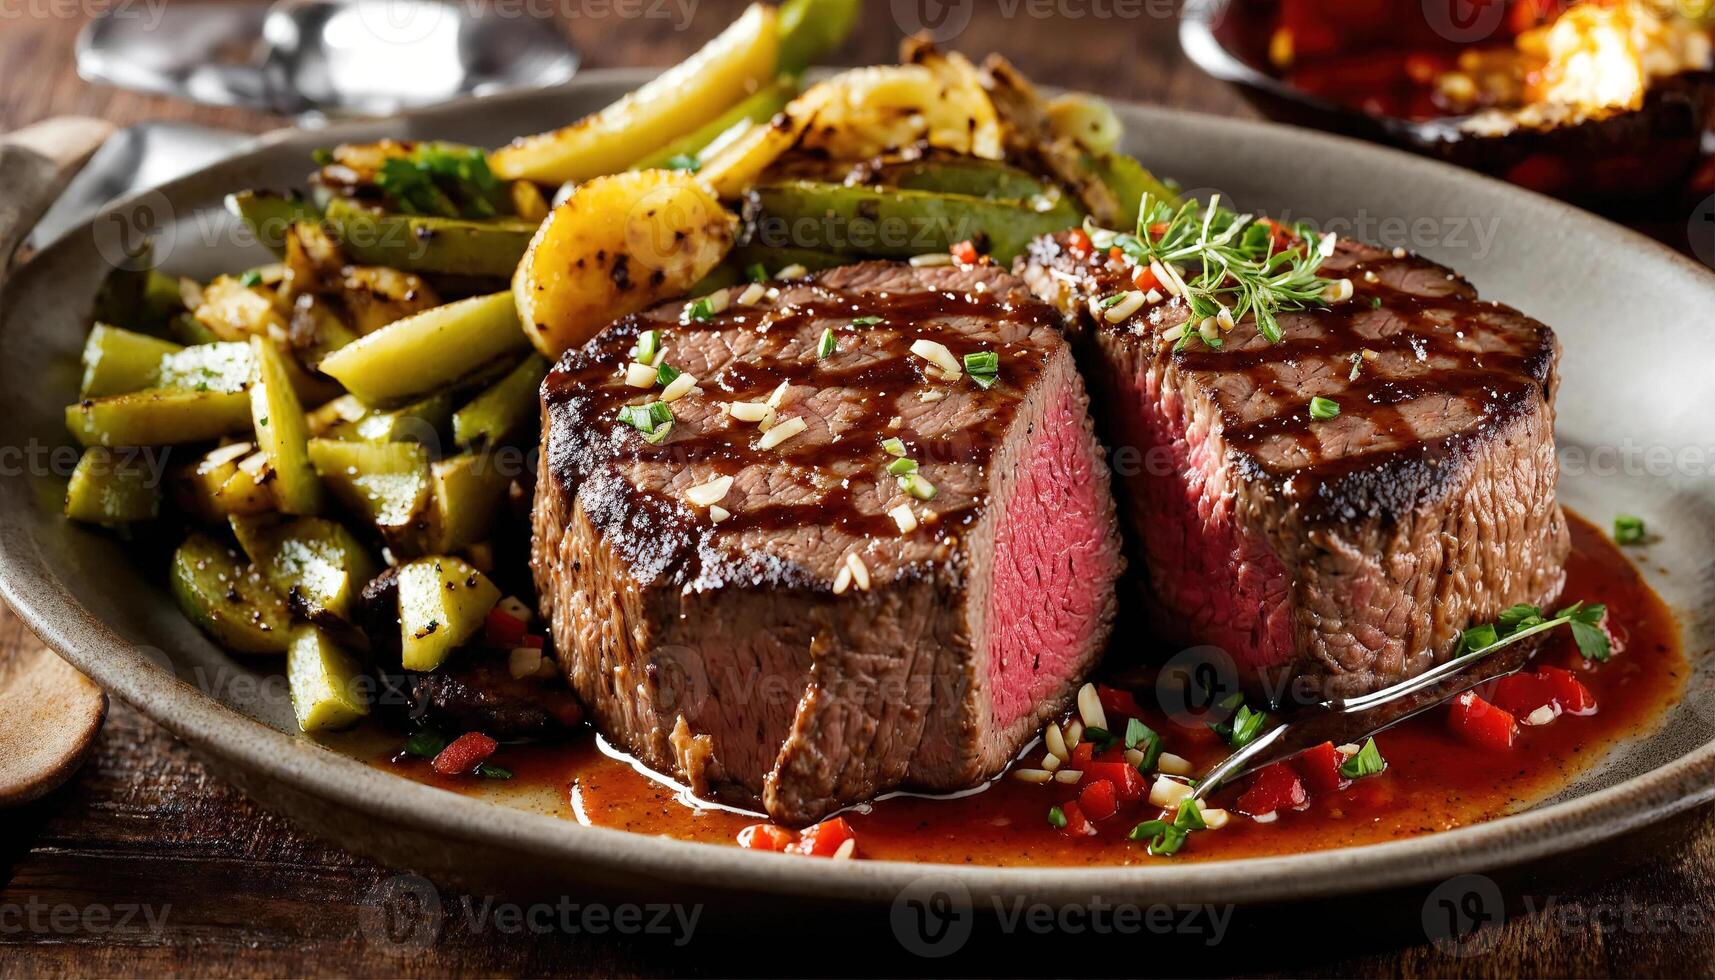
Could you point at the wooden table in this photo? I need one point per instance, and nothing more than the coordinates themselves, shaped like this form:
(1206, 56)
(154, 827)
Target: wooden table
(145, 829)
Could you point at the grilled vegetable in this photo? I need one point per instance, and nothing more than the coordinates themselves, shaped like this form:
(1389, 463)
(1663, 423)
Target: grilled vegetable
(760, 107)
(898, 223)
(219, 366)
(1088, 120)
(442, 603)
(809, 29)
(228, 598)
(864, 113)
(617, 245)
(232, 310)
(229, 480)
(429, 351)
(465, 495)
(743, 57)
(327, 685)
(417, 243)
(270, 216)
(317, 562)
(282, 432)
(117, 362)
(1129, 182)
(973, 178)
(109, 488)
(158, 417)
(505, 408)
(386, 483)
(421, 422)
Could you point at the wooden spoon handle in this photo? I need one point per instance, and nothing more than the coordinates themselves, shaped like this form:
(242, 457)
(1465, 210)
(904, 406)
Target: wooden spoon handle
(49, 713)
(36, 163)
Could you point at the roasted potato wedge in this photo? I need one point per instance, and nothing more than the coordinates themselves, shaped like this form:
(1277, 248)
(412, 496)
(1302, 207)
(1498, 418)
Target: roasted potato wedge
(617, 245)
(728, 68)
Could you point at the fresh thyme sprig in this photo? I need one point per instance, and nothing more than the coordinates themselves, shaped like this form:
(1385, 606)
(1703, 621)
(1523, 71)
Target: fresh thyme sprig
(1236, 264)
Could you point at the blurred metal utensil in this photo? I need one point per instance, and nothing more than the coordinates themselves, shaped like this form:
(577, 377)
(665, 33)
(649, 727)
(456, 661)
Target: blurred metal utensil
(316, 59)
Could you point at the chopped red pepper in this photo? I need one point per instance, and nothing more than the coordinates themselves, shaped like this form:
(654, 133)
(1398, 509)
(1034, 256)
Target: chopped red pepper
(825, 838)
(533, 641)
(1117, 701)
(965, 253)
(1077, 825)
(1520, 694)
(1569, 692)
(1126, 780)
(504, 630)
(1079, 244)
(466, 752)
(1320, 769)
(1099, 800)
(1481, 723)
(1272, 789)
(765, 837)
(1083, 754)
(1144, 279)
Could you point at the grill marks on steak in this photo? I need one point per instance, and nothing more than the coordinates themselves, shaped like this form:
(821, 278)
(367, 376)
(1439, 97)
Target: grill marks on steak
(1345, 554)
(720, 653)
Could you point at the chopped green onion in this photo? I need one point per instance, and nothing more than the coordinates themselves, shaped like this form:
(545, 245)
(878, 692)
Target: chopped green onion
(648, 344)
(1149, 829)
(916, 486)
(661, 431)
(1357, 366)
(1110, 302)
(1101, 738)
(322, 156)
(665, 373)
(684, 161)
(894, 447)
(251, 279)
(488, 771)
(1190, 816)
(1323, 409)
(1628, 529)
(866, 321)
(702, 311)
(1135, 732)
(825, 346)
(1368, 762)
(1056, 817)
(1243, 727)
(425, 743)
(756, 272)
(902, 467)
(1375, 302)
(646, 418)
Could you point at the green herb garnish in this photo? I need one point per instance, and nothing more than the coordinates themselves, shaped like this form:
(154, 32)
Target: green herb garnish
(1521, 621)
(647, 418)
(1368, 762)
(1243, 727)
(1056, 817)
(916, 486)
(490, 771)
(251, 279)
(665, 373)
(1235, 263)
(648, 345)
(866, 321)
(983, 367)
(1629, 529)
(756, 272)
(1101, 738)
(425, 743)
(1323, 409)
(702, 311)
(894, 447)
(902, 467)
(825, 346)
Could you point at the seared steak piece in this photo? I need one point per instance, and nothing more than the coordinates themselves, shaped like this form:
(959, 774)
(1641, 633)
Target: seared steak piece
(806, 652)
(1339, 555)
(481, 695)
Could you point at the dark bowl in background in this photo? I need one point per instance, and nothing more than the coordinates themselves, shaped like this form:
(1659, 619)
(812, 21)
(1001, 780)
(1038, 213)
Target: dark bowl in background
(1621, 163)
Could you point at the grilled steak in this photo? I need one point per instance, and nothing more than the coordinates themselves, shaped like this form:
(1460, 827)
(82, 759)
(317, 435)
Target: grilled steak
(745, 657)
(1330, 557)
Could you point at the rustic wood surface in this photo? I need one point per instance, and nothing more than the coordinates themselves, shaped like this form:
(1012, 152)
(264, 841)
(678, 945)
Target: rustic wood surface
(208, 883)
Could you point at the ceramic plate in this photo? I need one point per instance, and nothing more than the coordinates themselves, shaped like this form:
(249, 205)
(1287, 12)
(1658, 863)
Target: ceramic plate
(1635, 434)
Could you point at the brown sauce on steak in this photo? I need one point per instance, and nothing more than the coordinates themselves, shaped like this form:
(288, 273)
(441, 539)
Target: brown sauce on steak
(1434, 782)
